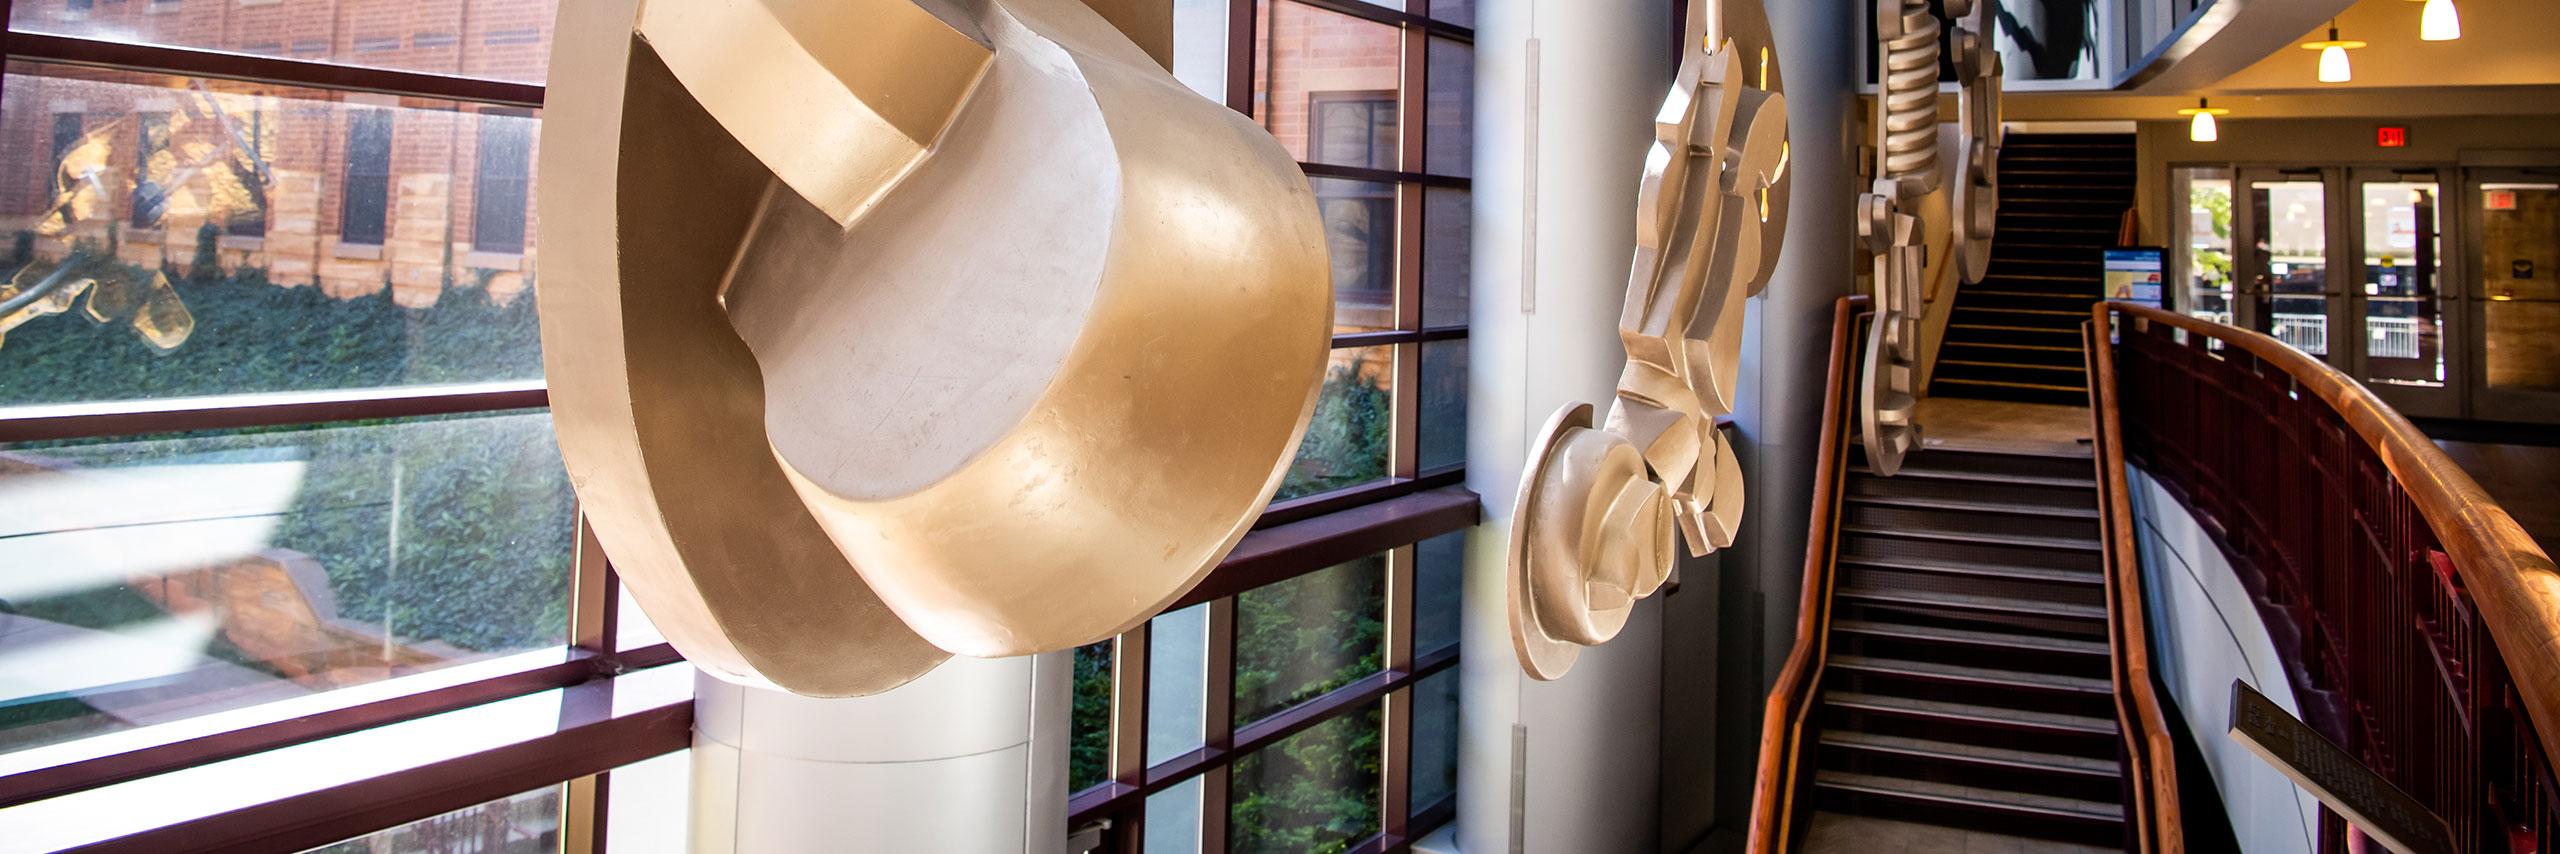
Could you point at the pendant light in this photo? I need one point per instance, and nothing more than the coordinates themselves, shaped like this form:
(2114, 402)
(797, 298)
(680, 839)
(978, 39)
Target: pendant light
(2333, 56)
(2204, 129)
(2439, 22)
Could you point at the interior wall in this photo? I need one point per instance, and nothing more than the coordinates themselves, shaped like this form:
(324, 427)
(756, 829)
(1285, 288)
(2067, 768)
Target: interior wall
(2206, 633)
(2322, 141)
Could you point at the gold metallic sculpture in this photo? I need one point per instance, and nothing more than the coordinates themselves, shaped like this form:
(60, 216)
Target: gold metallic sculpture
(1906, 124)
(1976, 202)
(880, 330)
(1599, 507)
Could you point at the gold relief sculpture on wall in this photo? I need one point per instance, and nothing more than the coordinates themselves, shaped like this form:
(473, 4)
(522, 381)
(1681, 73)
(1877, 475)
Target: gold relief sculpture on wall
(1907, 171)
(1976, 201)
(1601, 504)
(894, 329)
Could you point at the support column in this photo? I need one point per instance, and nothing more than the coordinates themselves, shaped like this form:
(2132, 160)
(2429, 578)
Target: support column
(1566, 92)
(970, 759)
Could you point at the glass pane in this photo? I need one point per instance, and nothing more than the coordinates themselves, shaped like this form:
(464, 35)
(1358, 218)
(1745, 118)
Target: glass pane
(1460, 12)
(1441, 406)
(1200, 46)
(1448, 246)
(1360, 233)
(1449, 109)
(1089, 724)
(2292, 238)
(492, 39)
(1173, 819)
(2520, 240)
(1440, 564)
(1435, 740)
(1347, 439)
(186, 237)
(649, 806)
(2207, 292)
(2524, 344)
(631, 626)
(1177, 683)
(1327, 87)
(1312, 793)
(1308, 635)
(160, 578)
(521, 824)
(2403, 268)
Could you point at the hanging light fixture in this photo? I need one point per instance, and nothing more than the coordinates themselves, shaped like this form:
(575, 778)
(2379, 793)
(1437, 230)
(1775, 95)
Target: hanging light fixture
(2203, 129)
(2333, 56)
(2439, 22)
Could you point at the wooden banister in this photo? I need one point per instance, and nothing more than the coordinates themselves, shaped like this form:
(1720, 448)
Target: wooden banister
(2150, 749)
(1774, 789)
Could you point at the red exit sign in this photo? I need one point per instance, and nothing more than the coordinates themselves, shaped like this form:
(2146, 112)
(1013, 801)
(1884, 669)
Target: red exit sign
(2391, 137)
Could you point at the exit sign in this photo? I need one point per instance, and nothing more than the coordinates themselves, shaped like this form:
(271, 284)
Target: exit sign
(2391, 137)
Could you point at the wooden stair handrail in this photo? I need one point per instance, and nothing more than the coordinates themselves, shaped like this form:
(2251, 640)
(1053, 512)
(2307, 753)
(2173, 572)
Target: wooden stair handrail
(1774, 787)
(2513, 584)
(2150, 749)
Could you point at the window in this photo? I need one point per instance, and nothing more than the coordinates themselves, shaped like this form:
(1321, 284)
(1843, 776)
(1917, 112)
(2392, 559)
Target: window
(365, 207)
(152, 166)
(66, 133)
(506, 166)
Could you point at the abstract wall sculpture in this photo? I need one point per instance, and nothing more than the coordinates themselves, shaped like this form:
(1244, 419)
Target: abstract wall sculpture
(1976, 202)
(882, 330)
(1601, 504)
(1906, 122)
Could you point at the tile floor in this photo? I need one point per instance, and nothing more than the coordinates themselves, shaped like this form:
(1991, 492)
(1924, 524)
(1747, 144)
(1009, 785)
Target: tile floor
(1960, 424)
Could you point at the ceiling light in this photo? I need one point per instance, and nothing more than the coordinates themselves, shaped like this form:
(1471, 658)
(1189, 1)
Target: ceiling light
(2439, 23)
(2333, 56)
(2203, 129)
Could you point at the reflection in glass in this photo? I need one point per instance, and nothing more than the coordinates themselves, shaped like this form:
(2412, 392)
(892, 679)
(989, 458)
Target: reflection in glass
(2520, 275)
(2048, 40)
(1312, 793)
(1177, 683)
(521, 824)
(1460, 12)
(1089, 722)
(1441, 406)
(1439, 564)
(2291, 282)
(157, 579)
(2207, 291)
(1435, 740)
(1449, 110)
(648, 806)
(489, 39)
(184, 237)
(1300, 638)
(1360, 235)
(1327, 89)
(1448, 244)
(1347, 439)
(2403, 264)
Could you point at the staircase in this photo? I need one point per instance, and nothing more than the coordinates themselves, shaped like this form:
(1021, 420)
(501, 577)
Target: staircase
(2016, 334)
(1967, 682)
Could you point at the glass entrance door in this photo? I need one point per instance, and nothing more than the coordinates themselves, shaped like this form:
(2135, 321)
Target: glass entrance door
(2285, 270)
(2515, 252)
(2402, 314)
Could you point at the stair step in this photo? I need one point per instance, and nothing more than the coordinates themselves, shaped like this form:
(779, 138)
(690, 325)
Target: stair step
(1948, 795)
(1977, 675)
(2080, 389)
(2003, 327)
(1972, 753)
(2074, 369)
(2066, 543)
(1941, 709)
(1970, 602)
(2075, 352)
(1917, 467)
(1976, 505)
(1969, 636)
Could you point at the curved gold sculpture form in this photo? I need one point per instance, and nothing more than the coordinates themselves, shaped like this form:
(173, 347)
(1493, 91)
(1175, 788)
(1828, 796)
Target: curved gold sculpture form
(1907, 169)
(1593, 528)
(880, 330)
(1976, 202)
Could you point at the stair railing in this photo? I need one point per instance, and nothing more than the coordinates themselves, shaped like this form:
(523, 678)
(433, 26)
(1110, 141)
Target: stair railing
(2149, 757)
(2419, 624)
(1782, 780)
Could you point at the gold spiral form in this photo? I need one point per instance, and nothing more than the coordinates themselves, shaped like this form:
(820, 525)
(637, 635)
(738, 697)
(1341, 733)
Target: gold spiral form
(1910, 135)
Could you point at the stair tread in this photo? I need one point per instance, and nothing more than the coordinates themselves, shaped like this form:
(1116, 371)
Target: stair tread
(2007, 384)
(1957, 567)
(1974, 753)
(2015, 508)
(2007, 328)
(2024, 366)
(1966, 673)
(2039, 642)
(1970, 600)
(1969, 711)
(2009, 346)
(1916, 467)
(1971, 796)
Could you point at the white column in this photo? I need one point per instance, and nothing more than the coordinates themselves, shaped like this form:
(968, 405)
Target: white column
(1566, 92)
(970, 759)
